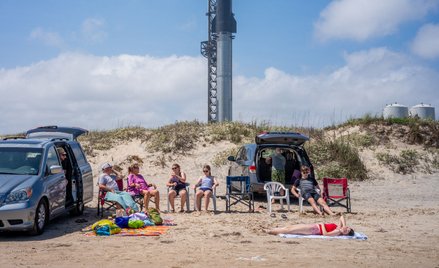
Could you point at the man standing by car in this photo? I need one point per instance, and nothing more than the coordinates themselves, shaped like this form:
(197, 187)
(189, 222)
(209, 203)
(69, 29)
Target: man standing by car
(278, 162)
(68, 171)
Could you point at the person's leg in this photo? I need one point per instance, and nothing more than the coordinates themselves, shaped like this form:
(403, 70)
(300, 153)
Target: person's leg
(313, 204)
(301, 229)
(171, 196)
(183, 194)
(198, 197)
(325, 206)
(156, 195)
(146, 197)
(207, 195)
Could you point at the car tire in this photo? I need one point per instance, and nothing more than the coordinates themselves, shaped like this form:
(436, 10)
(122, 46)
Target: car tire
(78, 210)
(41, 218)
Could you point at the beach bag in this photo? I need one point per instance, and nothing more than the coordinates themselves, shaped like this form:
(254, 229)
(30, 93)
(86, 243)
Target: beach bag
(135, 224)
(122, 222)
(155, 217)
(105, 228)
(139, 216)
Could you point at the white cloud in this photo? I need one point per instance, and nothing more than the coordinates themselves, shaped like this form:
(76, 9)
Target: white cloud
(92, 30)
(426, 42)
(364, 19)
(48, 38)
(368, 80)
(108, 92)
(103, 92)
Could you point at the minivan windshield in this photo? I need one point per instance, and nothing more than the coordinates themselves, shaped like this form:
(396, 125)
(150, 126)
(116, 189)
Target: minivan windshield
(20, 161)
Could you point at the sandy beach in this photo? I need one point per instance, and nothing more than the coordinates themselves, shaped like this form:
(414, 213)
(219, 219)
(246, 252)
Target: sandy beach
(397, 212)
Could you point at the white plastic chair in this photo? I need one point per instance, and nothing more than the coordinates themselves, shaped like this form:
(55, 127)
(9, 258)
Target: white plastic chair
(273, 190)
(213, 197)
(178, 196)
(301, 209)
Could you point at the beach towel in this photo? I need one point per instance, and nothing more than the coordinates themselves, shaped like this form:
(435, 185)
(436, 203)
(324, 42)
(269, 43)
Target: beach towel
(356, 236)
(123, 198)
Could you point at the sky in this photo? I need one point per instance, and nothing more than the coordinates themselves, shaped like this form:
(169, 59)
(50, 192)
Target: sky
(105, 64)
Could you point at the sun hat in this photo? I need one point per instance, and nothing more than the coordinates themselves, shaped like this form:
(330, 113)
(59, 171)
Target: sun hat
(106, 165)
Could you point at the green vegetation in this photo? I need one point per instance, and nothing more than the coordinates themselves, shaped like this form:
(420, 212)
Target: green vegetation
(410, 130)
(336, 158)
(405, 163)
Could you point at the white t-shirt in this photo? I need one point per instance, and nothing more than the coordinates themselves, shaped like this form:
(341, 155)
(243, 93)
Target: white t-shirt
(109, 181)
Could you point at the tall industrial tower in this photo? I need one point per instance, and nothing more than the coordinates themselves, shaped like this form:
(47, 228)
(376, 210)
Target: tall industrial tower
(218, 51)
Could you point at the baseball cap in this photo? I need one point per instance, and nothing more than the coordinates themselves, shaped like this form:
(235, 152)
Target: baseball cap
(106, 165)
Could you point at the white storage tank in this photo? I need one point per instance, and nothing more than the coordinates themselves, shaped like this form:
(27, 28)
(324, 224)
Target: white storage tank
(395, 110)
(423, 111)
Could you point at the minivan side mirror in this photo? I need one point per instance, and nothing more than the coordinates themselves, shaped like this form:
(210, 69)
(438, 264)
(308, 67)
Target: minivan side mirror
(231, 158)
(55, 169)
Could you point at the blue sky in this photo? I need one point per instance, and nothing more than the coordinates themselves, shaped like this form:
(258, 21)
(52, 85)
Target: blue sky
(106, 64)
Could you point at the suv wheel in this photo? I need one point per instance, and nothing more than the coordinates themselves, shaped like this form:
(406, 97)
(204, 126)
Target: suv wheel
(41, 217)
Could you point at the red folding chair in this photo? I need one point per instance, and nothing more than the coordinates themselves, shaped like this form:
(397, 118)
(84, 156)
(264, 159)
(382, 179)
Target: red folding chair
(336, 192)
(106, 205)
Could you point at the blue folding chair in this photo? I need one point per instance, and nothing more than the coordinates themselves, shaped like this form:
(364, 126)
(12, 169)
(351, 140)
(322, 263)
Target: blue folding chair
(239, 192)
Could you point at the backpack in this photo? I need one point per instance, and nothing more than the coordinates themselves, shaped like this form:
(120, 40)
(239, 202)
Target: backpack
(154, 216)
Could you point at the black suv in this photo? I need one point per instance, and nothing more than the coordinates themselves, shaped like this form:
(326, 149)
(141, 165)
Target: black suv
(251, 159)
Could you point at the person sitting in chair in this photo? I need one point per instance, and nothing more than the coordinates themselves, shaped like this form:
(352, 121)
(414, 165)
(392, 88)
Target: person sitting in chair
(206, 185)
(137, 185)
(327, 229)
(307, 186)
(107, 182)
(177, 182)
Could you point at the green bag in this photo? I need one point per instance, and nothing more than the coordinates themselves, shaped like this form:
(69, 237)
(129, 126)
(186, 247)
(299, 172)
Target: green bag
(154, 216)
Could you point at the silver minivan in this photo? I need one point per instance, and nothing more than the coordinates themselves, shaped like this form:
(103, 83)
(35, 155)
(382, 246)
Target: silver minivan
(37, 184)
(251, 159)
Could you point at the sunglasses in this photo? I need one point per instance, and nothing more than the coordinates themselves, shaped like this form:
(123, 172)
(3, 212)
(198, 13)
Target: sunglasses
(206, 170)
(174, 167)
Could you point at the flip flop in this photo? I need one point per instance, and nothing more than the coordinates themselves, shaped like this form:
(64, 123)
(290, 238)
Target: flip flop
(273, 215)
(283, 216)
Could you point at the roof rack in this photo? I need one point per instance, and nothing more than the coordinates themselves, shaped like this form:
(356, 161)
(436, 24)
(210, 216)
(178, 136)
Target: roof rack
(59, 139)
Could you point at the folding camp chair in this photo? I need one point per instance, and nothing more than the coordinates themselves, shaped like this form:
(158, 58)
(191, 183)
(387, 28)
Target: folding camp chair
(187, 197)
(213, 197)
(273, 193)
(336, 192)
(242, 194)
(106, 205)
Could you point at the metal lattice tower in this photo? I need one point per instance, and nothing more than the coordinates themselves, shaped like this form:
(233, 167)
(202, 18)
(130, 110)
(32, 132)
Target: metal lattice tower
(209, 50)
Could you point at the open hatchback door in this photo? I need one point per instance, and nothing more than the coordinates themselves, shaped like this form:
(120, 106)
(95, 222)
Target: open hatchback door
(290, 138)
(70, 133)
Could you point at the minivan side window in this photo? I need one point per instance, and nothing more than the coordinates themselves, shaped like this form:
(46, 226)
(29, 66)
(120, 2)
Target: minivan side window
(79, 154)
(52, 158)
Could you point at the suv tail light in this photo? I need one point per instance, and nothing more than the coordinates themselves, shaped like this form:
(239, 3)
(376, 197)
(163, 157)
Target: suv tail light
(252, 168)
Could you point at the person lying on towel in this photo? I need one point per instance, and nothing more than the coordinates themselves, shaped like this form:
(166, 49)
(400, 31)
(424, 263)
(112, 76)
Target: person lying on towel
(326, 229)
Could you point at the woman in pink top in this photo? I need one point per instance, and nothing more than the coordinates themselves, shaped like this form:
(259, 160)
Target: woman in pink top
(328, 229)
(138, 185)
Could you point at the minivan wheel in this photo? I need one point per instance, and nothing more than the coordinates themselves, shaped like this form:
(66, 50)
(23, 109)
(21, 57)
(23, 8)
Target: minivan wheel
(41, 217)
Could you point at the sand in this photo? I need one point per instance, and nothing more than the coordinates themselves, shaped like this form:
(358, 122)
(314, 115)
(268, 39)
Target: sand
(398, 213)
